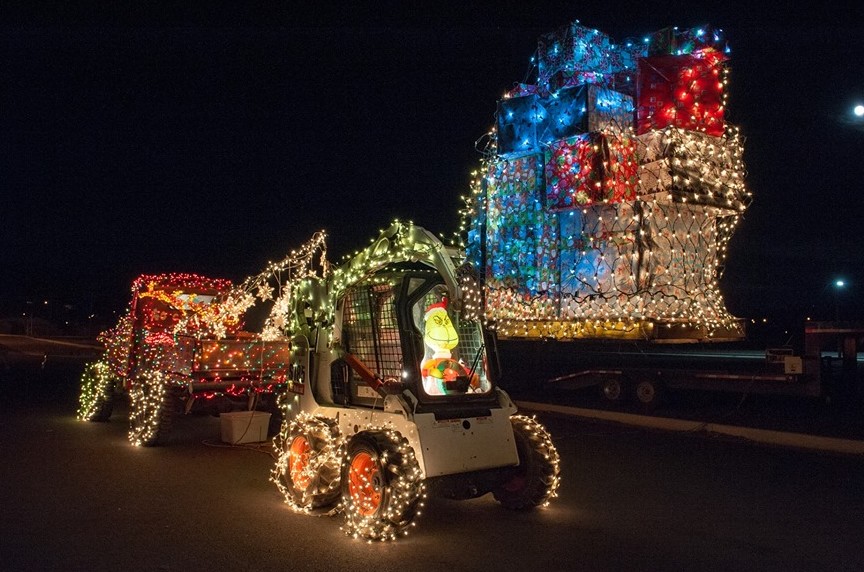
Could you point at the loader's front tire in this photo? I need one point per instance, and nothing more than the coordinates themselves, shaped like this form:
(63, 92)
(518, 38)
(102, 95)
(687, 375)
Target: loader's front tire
(153, 406)
(535, 481)
(382, 485)
(307, 470)
(96, 401)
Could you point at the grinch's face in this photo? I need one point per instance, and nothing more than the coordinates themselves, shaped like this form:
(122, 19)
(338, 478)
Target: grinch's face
(440, 333)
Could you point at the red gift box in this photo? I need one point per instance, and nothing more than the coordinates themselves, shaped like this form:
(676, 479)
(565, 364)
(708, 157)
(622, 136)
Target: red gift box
(589, 169)
(682, 91)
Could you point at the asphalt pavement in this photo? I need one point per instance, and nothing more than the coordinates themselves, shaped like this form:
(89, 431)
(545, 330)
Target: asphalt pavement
(78, 496)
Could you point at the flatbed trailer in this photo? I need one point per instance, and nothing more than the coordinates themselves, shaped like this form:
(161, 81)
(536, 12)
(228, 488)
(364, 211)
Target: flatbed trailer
(824, 367)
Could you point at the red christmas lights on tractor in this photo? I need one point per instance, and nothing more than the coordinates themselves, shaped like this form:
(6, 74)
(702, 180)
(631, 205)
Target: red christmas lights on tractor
(180, 348)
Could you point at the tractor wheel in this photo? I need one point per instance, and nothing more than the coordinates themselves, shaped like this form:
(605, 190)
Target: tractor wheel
(535, 481)
(152, 409)
(96, 402)
(382, 485)
(648, 392)
(612, 389)
(307, 470)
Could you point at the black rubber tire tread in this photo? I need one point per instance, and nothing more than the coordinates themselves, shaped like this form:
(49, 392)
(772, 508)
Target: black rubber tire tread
(171, 407)
(104, 407)
(400, 471)
(101, 406)
(656, 396)
(535, 480)
(610, 396)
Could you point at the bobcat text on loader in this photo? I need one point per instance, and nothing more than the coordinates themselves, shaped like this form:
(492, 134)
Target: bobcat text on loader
(391, 393)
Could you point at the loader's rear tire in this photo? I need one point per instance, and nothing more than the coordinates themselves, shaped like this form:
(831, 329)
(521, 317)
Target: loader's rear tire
(153, 406)
(307, 471)
(96, 401)
(382, 485)
(535, 481)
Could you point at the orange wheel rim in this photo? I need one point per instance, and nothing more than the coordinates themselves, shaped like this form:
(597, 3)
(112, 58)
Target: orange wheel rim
(364, 483)
(298, 463)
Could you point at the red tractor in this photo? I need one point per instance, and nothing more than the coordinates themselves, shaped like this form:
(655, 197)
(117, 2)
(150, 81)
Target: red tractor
(180, 347)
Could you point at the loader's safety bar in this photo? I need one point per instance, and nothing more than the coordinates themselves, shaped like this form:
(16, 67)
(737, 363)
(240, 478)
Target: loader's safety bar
(382, 386)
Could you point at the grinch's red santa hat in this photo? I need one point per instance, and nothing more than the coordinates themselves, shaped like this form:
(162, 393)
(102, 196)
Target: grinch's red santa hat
(436, 307)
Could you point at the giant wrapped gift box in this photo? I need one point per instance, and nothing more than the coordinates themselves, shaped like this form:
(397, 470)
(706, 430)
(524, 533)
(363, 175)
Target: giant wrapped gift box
(579, 49)
(682, 41)
(527, 122)
(584, 108)
(518, 121)
(574, 48)
(681, 91)
(659, 265)
(598, 260)
(681, 262)
(521, 241)
(693, 167)
(596, 167)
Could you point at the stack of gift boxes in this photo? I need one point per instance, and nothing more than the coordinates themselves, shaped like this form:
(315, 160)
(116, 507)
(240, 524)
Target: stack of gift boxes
(614, 182)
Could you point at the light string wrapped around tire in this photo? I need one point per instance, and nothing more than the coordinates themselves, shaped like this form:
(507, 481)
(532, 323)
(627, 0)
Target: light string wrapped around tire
(535, 482)
(96, 401)
(383, 488)
(309, 454)
(150, 413)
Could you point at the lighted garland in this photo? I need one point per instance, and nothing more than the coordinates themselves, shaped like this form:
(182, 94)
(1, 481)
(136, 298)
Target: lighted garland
(547, 472)
(97, 385)
(275, 283)
(116, 343)
(310, 293)
(198, 317)
(406, 489)
(147, 413)
(319, 471)
(406, 492)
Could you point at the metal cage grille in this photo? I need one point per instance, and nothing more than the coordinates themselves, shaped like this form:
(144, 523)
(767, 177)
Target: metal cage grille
(470, 340)
(371, 331)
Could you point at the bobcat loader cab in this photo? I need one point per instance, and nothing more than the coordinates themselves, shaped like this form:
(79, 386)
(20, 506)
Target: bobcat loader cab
(391, 389)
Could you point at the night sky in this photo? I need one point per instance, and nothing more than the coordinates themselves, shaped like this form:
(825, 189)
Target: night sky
(212, 137)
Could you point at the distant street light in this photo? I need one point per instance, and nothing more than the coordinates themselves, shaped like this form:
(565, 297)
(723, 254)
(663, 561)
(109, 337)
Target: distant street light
(838, 286)
(858, 111)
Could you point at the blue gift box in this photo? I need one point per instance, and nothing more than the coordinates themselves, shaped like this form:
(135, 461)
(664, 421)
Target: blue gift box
(518, 121)
(584, 108)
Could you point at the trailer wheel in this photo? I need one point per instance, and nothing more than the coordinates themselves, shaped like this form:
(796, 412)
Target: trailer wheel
(382, 485)
(534, 482)
(152, 408)
(612, 389)
(307, 470)
(648, 392)
(96, 401)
